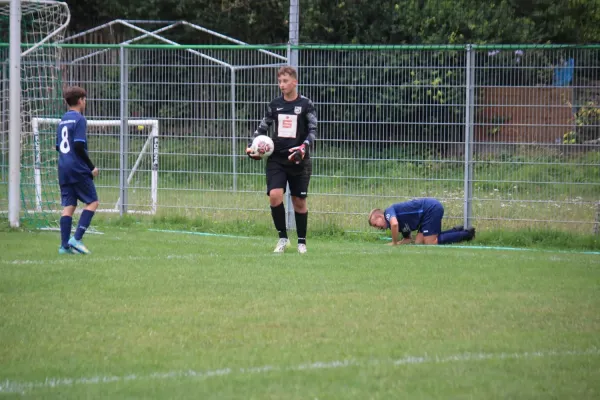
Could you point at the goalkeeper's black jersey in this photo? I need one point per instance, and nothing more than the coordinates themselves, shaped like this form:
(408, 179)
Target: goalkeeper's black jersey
(295, 123)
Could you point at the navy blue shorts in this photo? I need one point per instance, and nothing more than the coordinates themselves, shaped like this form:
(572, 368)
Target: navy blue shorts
(431, 221)
(84, 191)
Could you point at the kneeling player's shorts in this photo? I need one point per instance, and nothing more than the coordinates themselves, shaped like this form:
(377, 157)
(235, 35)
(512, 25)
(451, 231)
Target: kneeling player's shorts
(431, 221)
(85, 191)
(297, 175)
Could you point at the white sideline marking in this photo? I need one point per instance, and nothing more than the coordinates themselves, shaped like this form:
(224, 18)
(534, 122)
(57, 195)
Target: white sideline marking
(8, 386)
(67, 259)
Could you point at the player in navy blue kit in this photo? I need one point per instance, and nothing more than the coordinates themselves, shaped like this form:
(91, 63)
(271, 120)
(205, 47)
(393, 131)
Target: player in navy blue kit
(75, 172)
(422, 215)
(295, 130)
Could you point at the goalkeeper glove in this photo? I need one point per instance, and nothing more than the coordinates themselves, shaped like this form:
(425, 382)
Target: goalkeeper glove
(252, 154)
(298, 153)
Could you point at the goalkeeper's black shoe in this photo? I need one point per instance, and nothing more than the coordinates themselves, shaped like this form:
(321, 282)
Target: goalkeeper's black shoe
(471, 233)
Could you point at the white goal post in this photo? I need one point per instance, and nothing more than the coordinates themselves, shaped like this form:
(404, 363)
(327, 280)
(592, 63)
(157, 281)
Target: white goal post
(152, 140)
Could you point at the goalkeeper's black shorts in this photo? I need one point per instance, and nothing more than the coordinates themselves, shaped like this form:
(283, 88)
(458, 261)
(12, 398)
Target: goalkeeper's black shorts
(282, 172)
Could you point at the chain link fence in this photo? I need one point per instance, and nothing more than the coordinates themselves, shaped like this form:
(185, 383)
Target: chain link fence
(505, 136)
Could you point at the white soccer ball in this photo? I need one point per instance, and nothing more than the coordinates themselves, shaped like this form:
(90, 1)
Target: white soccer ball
(262, 146)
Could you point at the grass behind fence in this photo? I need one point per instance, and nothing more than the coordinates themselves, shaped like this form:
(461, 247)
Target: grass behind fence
(510, 188)
(540, 187)
(208, 163)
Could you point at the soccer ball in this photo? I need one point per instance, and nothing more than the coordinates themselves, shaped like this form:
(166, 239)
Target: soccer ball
(262, 146)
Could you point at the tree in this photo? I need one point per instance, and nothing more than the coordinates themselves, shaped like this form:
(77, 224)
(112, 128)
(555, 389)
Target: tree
(369, 22)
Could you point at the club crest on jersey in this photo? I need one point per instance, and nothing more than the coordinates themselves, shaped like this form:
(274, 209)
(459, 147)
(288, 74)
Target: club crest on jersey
(298, 110)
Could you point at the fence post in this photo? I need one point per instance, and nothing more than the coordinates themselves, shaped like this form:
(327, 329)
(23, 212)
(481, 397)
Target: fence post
(292, 56)
(294, 31)
(14, 117)
(124, 134)
(233, 133)
(469, 117)
(3, 127)
(290, 216)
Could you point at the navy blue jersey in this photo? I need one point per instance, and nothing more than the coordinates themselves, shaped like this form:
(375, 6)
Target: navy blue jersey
(71, 129)
(409, 213)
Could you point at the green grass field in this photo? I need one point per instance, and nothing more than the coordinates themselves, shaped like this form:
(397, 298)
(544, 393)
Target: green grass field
(166, 315)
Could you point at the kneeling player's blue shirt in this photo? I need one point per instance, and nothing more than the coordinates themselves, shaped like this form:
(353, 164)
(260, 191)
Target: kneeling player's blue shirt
(409, 213)
(71, 129)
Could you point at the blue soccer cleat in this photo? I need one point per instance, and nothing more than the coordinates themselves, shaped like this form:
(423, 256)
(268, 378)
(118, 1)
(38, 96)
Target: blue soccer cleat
(68, 250)
(78, 246)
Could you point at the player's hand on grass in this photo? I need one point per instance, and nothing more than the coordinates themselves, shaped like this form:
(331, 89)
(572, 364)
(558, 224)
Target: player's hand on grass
(403, 241)
(251, 154)
(95, 172)
(298, 153)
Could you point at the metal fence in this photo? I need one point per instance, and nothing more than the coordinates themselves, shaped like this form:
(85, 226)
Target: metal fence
(506, 137)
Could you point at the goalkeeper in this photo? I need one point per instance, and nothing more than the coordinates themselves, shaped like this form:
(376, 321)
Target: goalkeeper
(295, 121)
(421, 215)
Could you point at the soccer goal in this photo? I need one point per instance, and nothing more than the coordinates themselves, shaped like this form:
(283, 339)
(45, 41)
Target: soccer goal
(111, 155)
(43, 23)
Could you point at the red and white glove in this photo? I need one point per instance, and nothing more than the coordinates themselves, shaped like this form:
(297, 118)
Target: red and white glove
(298, 153)
(252, 154)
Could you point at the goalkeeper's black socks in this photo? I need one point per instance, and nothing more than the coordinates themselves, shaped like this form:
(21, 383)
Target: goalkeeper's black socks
(278, 214)
(301, 224)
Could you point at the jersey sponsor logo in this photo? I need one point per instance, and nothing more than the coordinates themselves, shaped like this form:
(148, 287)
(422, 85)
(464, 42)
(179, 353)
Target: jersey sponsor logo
(298, 110)
(67, 121)
(288, 125)
(387, 216)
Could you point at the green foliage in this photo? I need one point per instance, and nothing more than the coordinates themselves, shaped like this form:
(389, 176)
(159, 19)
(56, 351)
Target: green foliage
(377, 21)
(424, 90)
(587, 124)
(262, 21)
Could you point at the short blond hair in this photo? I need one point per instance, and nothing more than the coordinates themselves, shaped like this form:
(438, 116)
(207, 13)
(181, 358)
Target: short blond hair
(373, 212)
(287, 70)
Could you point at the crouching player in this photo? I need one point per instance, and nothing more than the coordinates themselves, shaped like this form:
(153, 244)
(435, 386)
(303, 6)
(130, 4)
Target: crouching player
(75, 172)
(422, 215)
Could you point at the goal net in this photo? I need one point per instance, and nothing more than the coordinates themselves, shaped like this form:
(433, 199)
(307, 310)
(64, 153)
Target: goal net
(127, 161)
(43, 23)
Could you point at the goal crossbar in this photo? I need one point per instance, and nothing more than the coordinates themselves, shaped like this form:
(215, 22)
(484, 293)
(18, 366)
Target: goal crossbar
(32, 6)
(152, 140)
